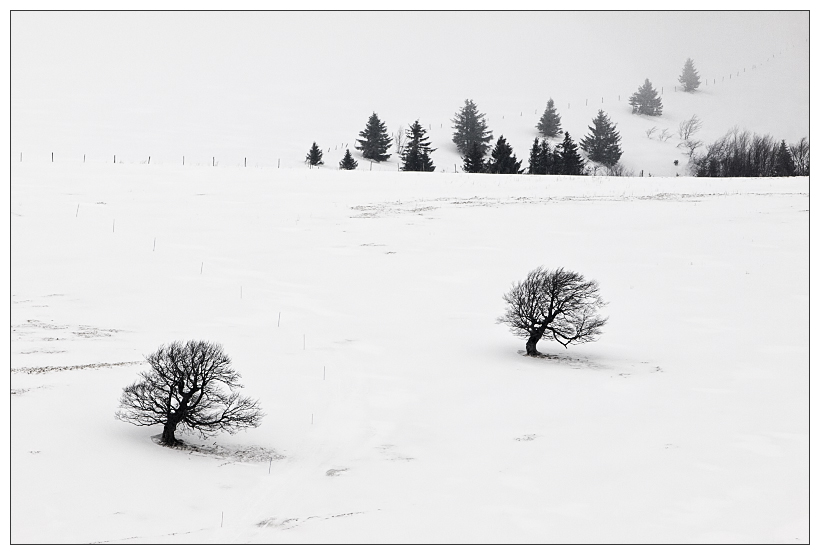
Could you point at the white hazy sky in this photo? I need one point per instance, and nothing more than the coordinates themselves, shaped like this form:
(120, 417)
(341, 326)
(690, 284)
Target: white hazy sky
(177, 81)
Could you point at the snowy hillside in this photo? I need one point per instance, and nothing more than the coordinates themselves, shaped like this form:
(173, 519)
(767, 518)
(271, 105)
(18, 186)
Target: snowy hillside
(232, 86)
(360, 307)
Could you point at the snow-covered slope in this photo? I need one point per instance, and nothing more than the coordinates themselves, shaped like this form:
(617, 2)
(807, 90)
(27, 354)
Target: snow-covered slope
(360, 308)
(232, 86)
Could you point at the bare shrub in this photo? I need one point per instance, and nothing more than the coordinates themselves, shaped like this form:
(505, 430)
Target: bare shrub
(800, 154)
(738, 154)
(689, 127)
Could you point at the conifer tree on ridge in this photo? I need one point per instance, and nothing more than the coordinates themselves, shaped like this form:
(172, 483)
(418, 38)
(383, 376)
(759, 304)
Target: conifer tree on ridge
(784, 163)
(689, 78)
(502, 159)
(567, 159)
(602, 144)
(646, 101)
(416, 152)
(550, 123)
(314, 156)
(374, 140)
(473, 160)
(348, 162)
(471, 127)
(541, 158)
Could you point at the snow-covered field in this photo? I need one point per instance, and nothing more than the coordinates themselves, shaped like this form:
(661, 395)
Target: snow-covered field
(360, 309)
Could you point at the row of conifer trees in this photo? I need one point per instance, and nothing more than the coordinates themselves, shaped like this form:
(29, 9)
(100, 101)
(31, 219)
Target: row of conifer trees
(602, 144)
(472, 137)
(473, 140)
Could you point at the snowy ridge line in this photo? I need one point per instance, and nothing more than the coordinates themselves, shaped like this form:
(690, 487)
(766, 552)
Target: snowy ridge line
(45, 369)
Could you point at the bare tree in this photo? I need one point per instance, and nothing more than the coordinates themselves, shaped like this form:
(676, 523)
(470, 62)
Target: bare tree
(189, 386)
(800, 153)
(690, 146)
(650, 131)
(559, 304)
(664, 135)
(399, 139)
(689, 127)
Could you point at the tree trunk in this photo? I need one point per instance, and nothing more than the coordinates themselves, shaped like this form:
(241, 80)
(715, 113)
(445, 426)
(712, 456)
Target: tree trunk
(168, 434)
(532, 342)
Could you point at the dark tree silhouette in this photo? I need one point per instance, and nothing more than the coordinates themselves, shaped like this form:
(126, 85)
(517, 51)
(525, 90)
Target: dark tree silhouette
(416, 152)
(471, 127)
(603, 142)
(689, 77)
(473, 160)
(535, 157)
(800, 155)
(550, 123)
(567, 159)
(374, 141)
(502, 159)
(558, 305)
(784, 163)
(541, 158)
(190, 386)
(646, 101)
(348, 162)
(739, 154)
(314, 156)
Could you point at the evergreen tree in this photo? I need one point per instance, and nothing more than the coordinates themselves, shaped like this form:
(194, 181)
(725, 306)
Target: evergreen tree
(348, 163)
(473, 160)
(603, 142)
(646, 101)
(374, 140)
(502, 159)
(689, 78)
(416, 152)
(784, 163)
(471, 127)
(535, 159)
(546, 159)
(567, 159)
(541, 158)
(314, 156)
(550, 124)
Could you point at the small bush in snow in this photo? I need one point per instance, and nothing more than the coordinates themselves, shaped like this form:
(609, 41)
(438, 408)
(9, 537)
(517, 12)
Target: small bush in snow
(558, 305)
(189, 386)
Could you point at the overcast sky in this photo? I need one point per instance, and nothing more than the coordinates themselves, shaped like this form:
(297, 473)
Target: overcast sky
(103, 77)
